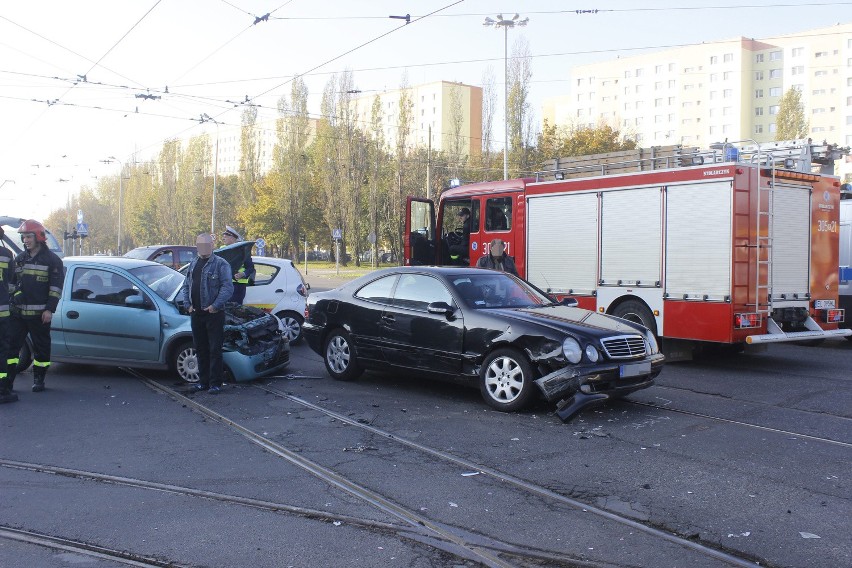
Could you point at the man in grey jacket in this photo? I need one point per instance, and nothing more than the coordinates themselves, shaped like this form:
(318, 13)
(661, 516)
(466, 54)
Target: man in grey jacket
(206, 288)
(496, 259)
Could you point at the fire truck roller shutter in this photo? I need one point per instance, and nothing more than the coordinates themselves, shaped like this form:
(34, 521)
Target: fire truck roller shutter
(562, 249)
(631, 235)
(791, 237)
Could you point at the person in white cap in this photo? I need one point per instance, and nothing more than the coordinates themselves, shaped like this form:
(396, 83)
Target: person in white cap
(246, 272)
(496, 259)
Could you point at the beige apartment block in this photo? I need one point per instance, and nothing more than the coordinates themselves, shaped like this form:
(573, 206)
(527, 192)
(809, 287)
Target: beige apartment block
(726, 90)
(451, 111)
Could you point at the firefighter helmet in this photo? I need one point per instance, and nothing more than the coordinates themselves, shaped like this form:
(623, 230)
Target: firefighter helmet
(33, 226)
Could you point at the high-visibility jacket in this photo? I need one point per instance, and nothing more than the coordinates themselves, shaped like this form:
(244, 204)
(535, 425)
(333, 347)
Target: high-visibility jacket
(6, 260)
(37, 283)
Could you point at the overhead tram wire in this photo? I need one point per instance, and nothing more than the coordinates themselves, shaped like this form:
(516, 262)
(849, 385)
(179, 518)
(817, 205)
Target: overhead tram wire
(221, 47)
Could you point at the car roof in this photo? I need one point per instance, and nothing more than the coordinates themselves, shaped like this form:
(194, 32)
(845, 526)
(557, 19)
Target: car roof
(272, 260)
(152, 247)
(119, 261)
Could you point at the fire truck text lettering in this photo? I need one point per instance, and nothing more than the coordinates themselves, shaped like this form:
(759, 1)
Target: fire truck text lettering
(827, 226)
(716, 172)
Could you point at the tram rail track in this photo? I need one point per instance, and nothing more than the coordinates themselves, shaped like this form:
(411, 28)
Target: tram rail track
(419, 520)
(85, 549)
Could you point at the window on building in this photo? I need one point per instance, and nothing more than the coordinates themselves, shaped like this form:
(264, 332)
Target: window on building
(758, 58)
(818, 92)
(798, 70)
(758, 111)
(775, 92)
(658, 102)
(639, 72)
(626, 106)
(658, 118)
(638, 104)
(686, 121)
(726, 76)
(848, 120)
(658, 69)
(713, 95)
(818, 111)
(728, 57)
(671, 67)
(671, 117)
(688, 87)
(626, 90)
(627, 74)
(727, 111)
(775, 73)
(758, 75)
(818, 129)
(797, 51)
(714, 77)
(728, 93)
(713, 130)
(688, 69)
(686, 104)
(821, 54)
(775, 55)
(671, 101)
(773, 109)
(773, 128)
(758, 129)
(637, 89)
(712, 112)
(658, 85)
(726, 128)
(799, 87)
(821, 73)
(638, 121)
(714, 59)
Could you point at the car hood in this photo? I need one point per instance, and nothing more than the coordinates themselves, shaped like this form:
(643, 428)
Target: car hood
(570, 319)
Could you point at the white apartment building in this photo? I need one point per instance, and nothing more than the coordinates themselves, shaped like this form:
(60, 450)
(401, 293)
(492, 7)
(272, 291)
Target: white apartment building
(706, 93)
(437, 106)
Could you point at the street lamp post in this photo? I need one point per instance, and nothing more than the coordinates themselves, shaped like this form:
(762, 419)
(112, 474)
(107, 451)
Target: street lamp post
(205, 117)
(120, 197)
(505, 24)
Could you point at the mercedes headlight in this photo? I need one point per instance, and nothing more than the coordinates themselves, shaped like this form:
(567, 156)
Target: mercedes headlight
(652, 342)
(592, 353)
(571, 349)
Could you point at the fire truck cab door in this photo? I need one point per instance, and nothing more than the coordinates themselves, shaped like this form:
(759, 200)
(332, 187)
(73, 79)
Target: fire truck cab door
(420, 247)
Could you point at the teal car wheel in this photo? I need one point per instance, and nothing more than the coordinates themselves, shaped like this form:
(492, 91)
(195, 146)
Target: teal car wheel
(184, 362)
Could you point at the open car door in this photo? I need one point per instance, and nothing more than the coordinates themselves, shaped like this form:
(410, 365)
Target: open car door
(420, 246)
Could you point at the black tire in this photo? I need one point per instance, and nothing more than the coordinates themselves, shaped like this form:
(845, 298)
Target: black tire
(184, 362)
(292, 326)
(339, 357)
(637, 312)
(506, 380)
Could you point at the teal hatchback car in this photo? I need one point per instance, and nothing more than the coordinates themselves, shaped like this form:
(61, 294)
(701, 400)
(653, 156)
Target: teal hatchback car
(123, 312)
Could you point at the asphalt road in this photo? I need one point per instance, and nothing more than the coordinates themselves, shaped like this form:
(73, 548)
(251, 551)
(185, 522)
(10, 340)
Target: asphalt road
(727, 461)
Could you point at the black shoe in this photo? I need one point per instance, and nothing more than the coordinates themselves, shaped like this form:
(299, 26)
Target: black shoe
(197, 387)
(214, 390)
(38, 387)
(8, 397)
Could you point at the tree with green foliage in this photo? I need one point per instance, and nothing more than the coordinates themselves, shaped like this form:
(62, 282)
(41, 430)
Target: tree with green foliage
(790, 120)
(564, 141)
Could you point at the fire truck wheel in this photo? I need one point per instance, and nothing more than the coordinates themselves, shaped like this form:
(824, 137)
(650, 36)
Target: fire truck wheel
(637, 312)
(506, 380)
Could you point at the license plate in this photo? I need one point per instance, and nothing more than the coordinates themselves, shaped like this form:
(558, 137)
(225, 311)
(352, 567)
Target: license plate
(824, 304)
(635, 369)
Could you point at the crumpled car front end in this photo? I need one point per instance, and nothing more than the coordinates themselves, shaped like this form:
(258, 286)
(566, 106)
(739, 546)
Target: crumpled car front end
(254, 346)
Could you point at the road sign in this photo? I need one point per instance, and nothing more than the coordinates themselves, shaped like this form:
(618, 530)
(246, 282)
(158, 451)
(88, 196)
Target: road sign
(371, 238)
(79, 216)
(337, 234)
(82, 228)
(260, 243)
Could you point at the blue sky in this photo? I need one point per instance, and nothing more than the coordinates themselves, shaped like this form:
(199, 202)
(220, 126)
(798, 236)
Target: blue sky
(210, 52)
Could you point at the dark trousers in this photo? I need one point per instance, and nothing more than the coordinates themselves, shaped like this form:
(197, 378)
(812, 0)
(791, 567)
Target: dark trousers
(208, 332)
(39, 333)
(5, 384)
(239, 293)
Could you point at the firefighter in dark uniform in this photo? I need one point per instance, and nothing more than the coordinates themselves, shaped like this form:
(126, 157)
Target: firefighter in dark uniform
(6, 259)
(246, 272)
(37, 284)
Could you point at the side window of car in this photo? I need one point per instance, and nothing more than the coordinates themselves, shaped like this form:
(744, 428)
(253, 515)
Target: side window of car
(498, 214)
(264, 273)
(417, 291)
(185, 256)
(103, 287)
(378, 290)
(165, 257)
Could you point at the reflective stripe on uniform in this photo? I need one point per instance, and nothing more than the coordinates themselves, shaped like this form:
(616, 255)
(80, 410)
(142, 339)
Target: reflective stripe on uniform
(41, 363)
(12, 361)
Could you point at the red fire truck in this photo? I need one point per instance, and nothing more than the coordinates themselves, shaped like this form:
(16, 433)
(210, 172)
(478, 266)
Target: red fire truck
(734, 245)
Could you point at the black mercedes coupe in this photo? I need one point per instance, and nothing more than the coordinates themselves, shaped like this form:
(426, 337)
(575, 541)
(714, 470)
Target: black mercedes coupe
(480, 327)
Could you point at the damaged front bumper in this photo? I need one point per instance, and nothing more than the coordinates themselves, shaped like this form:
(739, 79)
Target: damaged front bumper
(254, 348)
(577, 387)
